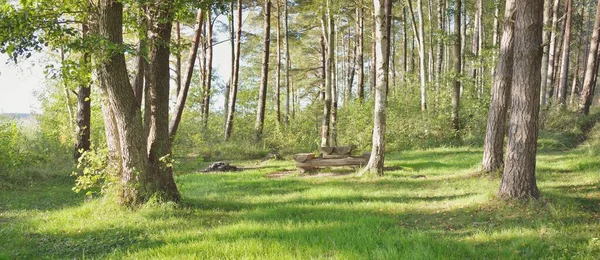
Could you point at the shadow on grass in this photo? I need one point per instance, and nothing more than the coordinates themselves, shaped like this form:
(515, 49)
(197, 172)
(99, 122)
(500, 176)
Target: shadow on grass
(50, 193)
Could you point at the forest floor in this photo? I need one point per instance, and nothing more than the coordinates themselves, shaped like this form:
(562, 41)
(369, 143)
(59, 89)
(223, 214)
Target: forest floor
(432, 204)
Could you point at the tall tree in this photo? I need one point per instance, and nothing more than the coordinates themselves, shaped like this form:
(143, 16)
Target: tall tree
(236, 73)
(84, 109)
(328, 37)
(545, 41)
(418, 32)
(262, 92)
(589, 81)
(360, 24)
(457, 66)
(493, 149)
(288, 62)
(564, 72)
(209, 67)
(278, 71)
(383, 14)
(548, 87)
(518, 178)
(440, 48)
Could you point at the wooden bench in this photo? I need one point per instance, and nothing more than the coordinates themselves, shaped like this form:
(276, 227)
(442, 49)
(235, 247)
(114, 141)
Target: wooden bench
(330, 157)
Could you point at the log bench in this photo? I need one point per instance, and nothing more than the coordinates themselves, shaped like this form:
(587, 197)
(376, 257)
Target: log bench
(330, 157)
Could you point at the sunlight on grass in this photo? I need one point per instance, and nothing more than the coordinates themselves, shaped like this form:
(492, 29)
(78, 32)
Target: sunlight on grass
(427, 206)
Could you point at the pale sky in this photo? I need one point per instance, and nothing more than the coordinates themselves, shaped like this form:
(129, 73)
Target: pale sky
(18, 84)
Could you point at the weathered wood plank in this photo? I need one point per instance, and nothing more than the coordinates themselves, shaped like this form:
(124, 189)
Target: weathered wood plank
(324, 162)
(302, 157)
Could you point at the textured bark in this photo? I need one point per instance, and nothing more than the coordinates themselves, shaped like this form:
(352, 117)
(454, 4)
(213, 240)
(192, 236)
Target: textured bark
(589, 81)
(564, 72)
(112, 74)
(209, 69)
(159, 180)
(457, 67)
(418, 32)
(548, 87)
(262, 93)
(182, 95)
(360, 23)
(518, 179)
(236, 73)
(493, 150)
(178, 57)
(575, 76)
(404, 43)
(351, 68)
(140, 60)
(334, 86)
(440, 49)
(230, 82)
(382, 9)
(475, 43)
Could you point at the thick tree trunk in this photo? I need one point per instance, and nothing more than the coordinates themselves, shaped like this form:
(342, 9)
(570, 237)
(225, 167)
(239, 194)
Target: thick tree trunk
(548, 87)
(564, 72)
(383, 13)
(159, 180)
(182, 95)
(209, 68)
(457, 67)
(493, 149)
(112, 74)
(589, 81)
(518, 179)
(115, 163)
(236, 73)
(262, 93)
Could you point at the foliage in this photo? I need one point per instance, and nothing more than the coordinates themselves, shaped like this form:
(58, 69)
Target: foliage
(93, 172)
(12, 155)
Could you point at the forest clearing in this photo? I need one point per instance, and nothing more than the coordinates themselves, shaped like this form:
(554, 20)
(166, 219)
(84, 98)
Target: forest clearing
(300, 129)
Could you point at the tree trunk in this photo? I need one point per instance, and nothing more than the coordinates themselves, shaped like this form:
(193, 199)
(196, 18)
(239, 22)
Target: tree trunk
(236, 73)
(546, 44)
(475, 45)
(457, 67)
(418, 32)
(288, 64)
(360, 23)
(493, 149)
(328, 35)
(230, 82)
(278, 71)
(383, 13)
(141, 62)
(518, 179)
(262, 93)
(404, 43)
(351, 67)
(334, 85)
(159, 180)
(564, 72)
(548, 87)
(209, 68)
(178, 57)
(182, 95)
(589, 81)
(575, 76)
(82, 140)
(440, 49)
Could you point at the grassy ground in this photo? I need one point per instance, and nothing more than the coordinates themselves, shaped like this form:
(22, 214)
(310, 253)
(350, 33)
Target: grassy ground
(429, 205)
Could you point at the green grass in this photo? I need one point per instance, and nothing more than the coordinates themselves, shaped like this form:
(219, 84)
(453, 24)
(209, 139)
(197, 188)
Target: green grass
(431, 205)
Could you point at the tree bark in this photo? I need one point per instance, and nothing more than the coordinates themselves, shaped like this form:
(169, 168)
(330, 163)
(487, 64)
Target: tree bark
(589, 81)
(234, 85)
(440, 49)
(518, 179)
(262, 93)
(383, 13)
(360, 23)
(288, 63)
(328, 35)
(84, 110)
(178, 57)
(564, 72)
(457, 67)
(546, 44)
(418, 32)
(278, 71)
(182, 95)
(493, 150)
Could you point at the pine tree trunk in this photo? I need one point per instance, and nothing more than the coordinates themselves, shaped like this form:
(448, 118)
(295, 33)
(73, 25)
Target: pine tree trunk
(278, 70)
(440, 49)
(518, 179)
(383, 13)
(575, 76)
(589, 81)
(209, 68)
(548, 87)
(230, 82)
(564, 72)
(288, 64)
(457, 67)
(236, 73)
(546, 44)
(262, 93)
(360, 23)
(328, 34)
(475, 45)
(493, 150)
